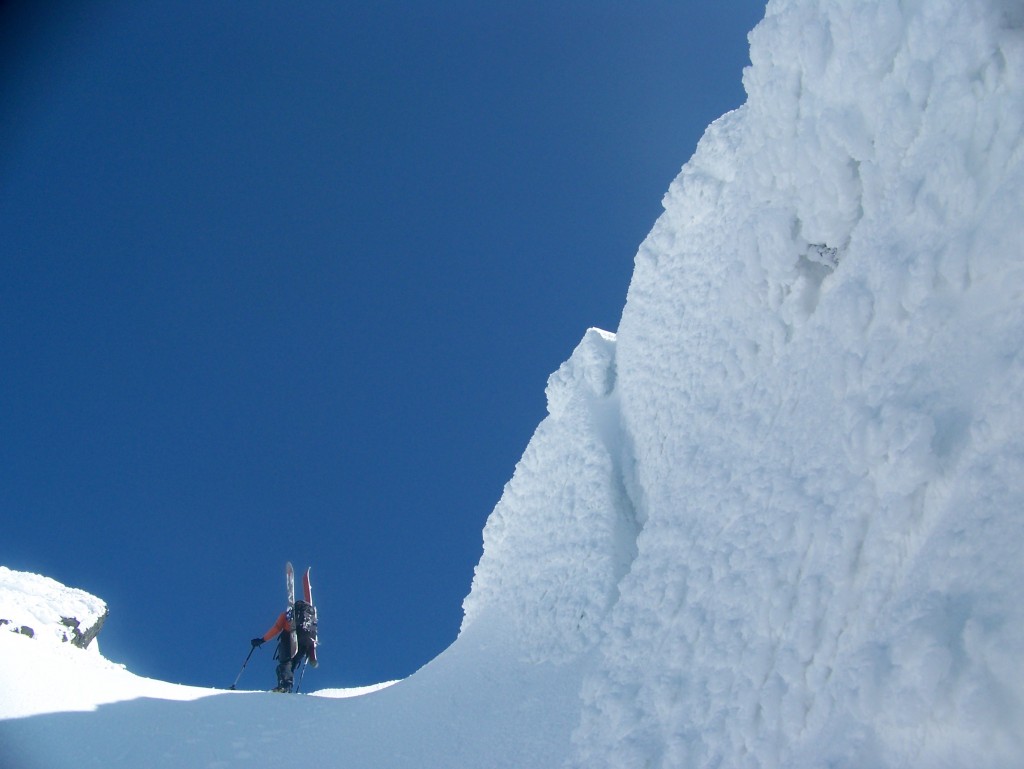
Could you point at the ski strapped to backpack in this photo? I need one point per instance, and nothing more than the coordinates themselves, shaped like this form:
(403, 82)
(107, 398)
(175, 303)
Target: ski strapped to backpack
(289, 580)
(301, 613)
(306, 619)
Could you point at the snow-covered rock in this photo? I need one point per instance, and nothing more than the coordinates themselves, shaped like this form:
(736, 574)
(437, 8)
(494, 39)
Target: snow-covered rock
(44, 609)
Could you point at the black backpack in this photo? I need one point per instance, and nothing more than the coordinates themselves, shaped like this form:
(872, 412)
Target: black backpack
(305, 618)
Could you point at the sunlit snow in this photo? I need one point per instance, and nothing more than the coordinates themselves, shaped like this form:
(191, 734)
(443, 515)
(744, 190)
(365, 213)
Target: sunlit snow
(776, 519)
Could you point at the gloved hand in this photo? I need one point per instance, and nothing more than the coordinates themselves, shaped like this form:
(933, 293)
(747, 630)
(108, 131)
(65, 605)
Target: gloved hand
(257, 642)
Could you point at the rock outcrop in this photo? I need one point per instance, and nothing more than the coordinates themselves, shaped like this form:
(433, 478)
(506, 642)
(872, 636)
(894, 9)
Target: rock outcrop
(44, 609)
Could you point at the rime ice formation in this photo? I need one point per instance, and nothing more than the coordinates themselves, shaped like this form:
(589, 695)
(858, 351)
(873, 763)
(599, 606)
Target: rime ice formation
(563, 533)
(817, 413)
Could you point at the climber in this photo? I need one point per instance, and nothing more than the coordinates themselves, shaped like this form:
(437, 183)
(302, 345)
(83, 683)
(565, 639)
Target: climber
(296, 641)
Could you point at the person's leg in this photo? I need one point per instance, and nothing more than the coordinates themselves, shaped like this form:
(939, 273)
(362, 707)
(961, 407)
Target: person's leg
(307, 648)
(284, 667)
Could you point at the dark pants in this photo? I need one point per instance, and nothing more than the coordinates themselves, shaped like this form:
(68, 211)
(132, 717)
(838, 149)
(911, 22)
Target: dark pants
(288, 662)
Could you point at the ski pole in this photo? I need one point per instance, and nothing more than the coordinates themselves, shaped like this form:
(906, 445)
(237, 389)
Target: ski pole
(243, 668)
(301, 672)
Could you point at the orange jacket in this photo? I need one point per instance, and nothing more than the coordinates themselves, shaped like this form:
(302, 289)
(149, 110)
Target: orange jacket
(280, 626)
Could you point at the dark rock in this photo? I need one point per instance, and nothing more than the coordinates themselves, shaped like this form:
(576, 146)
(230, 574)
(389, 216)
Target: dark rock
(78, 637)
(24, 629)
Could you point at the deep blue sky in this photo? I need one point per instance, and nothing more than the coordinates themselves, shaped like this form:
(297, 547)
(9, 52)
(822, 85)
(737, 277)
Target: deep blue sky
(286, 281)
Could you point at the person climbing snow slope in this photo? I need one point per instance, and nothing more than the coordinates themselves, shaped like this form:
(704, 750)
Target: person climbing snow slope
(290, 653)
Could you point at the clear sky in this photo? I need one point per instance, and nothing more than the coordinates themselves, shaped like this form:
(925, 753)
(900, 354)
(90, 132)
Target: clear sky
(286, 281)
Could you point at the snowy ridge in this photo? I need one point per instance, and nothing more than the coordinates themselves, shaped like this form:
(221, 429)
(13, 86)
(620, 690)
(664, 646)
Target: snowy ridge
(49, 678)
(565, 515)
(46, 610)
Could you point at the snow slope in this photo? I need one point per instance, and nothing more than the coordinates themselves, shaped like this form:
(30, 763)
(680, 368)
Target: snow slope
(775, 520)
(475, 705)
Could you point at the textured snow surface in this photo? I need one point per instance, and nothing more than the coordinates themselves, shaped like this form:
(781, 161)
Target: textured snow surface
(563, 533)
(820, 376)
(815, 418)
(777, 519)
(42, 607)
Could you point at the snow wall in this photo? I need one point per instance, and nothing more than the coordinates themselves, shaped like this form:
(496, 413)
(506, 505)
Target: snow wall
(780, 513)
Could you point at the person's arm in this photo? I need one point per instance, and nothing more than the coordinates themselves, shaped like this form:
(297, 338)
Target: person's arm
(281, 624)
